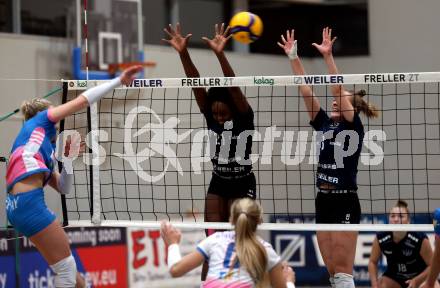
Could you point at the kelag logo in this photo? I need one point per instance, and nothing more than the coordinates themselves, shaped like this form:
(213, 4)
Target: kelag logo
(82, 84)
(263, 81)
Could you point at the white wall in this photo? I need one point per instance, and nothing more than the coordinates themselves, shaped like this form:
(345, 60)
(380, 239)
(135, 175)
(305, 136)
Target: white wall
(403, 37)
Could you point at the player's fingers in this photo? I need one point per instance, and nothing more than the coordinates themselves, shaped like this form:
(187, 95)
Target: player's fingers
(222, 29)
(163, 226)
(168, 32)
(227, 30)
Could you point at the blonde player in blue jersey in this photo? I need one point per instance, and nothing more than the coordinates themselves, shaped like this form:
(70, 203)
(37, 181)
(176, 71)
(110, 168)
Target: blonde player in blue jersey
(31, 167)
(237, 259)
(431, 280)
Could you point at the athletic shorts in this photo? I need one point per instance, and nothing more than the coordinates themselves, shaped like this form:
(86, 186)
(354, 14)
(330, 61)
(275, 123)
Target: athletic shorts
(244, 187)
(28, 212)
(399, 280)
(337, 208)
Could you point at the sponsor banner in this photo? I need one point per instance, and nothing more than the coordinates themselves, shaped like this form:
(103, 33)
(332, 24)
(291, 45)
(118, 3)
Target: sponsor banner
(353, 79)
(300, 249)
(100, 255)
(7, 260)
(147, 259)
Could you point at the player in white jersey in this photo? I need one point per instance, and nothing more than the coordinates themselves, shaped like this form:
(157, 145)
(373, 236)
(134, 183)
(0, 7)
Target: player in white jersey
(237, 259)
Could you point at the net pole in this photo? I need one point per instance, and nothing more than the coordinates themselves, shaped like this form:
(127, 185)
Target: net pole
(60, 164)
(92, 112)
(95, 186)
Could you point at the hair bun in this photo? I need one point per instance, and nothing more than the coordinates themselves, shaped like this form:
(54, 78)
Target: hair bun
(402, 203)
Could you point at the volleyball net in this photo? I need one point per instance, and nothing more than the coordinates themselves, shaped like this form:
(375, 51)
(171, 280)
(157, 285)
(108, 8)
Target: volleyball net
(151, 160)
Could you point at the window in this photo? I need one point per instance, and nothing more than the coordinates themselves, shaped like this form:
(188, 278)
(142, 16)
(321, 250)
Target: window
(48, 19)
(348, 21)
(5, 15)
(196, 16)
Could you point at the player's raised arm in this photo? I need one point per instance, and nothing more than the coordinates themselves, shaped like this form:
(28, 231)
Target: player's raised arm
(217, 44)
(178, 265)
(92, 95)
(289, 45)
(180, 43)
(341, 96)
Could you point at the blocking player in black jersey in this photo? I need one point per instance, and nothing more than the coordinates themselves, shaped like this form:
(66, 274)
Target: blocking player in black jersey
(230, 121)
(408, 254)
(337, 200)
(226, 110)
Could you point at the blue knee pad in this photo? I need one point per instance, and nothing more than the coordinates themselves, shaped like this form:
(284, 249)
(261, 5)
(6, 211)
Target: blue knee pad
(28, 212)
(437, 221)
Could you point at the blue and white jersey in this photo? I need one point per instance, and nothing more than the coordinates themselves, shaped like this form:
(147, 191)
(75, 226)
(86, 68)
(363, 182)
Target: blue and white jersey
(219, 250)
(33, 149)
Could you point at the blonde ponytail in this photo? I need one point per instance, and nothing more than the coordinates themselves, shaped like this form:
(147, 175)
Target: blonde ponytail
(30, 108)
(363, 106)
(246, 215)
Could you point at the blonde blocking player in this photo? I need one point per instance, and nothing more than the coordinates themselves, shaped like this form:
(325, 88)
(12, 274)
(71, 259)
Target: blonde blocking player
(337, 200)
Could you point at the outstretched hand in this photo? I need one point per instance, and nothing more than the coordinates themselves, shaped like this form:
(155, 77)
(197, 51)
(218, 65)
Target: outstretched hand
(221, 37)
(288, 44)
(170, 234)
(128, 75)
(176, 40)
(327, 42)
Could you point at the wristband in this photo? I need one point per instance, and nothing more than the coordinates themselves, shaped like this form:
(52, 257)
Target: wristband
(66, 181)
(94, 94)
(173, 255)
(290, 285)
(293, 53)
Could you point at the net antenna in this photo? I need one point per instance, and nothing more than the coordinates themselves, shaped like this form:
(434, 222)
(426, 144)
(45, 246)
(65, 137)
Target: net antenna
(109, 34)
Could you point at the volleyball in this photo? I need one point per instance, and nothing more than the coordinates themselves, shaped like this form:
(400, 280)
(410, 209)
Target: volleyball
(246, 27)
